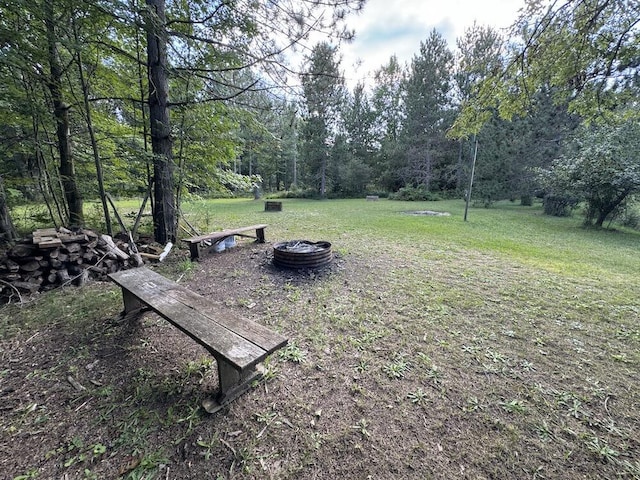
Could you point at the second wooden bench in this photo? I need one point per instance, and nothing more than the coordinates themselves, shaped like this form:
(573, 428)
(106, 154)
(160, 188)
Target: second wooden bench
(215, 237)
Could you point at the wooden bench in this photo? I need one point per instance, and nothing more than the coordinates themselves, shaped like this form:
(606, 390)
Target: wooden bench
(215, 237)
(271, 206)
(237, 344)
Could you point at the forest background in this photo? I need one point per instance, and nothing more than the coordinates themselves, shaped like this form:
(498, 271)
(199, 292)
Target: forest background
(181, 99)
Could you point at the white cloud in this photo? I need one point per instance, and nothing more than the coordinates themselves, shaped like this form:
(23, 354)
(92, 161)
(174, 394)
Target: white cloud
(388, 27)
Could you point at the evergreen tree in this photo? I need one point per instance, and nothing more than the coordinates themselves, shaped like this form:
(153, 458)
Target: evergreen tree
(361, 143)
(323, 90)
(388, 104)
(429, 115)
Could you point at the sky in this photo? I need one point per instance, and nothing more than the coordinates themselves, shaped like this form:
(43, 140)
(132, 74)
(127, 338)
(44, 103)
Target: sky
(387, 27)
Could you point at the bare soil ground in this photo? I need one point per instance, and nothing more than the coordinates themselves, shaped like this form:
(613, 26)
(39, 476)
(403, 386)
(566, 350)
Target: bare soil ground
(381, 379)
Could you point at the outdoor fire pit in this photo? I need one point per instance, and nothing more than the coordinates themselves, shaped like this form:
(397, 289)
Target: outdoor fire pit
(302, 254)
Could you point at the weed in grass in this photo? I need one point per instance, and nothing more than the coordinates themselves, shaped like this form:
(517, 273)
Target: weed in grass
(472, 349)
(361, 427)
(473, 405)
(418, 396)
(396, 368)
(495, 357)
(199, 368)
(293, 353)
(509, 333)
(269, 373)
(621, 357)
(33, 473)
(208, 446)
(293, 293)
(575, 409)
(544, 431)
(424, 358)
(435, 375)
(244, 458)
(357, 389)
(89, 475)
(316, 440)
(602, 450)
(266, 417)
(527, 366)
(513, 406)
(191, 419)
(492, 368)
(362, 366)
(148, 466)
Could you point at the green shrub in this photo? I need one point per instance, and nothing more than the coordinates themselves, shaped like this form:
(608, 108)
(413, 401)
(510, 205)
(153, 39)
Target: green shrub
(415, 194)
(559, 205)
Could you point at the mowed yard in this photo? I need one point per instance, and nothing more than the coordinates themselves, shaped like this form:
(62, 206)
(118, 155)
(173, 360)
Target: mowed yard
(507, 346)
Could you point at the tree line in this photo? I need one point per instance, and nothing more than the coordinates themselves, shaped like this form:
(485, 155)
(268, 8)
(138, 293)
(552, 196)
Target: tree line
(168, 99)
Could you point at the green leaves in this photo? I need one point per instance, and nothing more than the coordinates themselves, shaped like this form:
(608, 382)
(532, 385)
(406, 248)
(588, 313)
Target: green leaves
(604, 169)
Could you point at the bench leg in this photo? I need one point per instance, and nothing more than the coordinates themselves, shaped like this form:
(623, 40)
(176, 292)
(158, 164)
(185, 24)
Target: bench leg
(193, 249)
(131, 303)
(232, 385)
(260, 235)
(132, 306)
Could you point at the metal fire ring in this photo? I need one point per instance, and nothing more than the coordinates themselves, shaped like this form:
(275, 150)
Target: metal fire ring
(302, 254)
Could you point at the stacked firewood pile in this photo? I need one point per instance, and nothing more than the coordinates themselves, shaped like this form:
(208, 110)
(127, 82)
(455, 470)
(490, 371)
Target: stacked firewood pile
(54, 257)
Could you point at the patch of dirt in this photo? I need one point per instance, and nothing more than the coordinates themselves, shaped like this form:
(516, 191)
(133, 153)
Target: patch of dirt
(428, 213)
(390, 382)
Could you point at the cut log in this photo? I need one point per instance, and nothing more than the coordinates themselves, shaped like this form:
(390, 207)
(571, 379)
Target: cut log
(43, 233)
(113, 248)
(48, 242)
(31, 266)
(27, 286)
(73, 247)
(63, 276)
(82, 278)
(12, 266)
(21, 250)
(81, 238)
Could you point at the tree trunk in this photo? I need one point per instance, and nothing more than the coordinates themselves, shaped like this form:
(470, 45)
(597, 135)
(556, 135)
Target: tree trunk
(61, 114)
(92, 136)
(164, 214)
(7, 230)
(607, 209)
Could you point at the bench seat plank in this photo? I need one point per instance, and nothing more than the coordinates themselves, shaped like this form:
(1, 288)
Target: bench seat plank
(223, 233)
(209, 327)
(255, 333)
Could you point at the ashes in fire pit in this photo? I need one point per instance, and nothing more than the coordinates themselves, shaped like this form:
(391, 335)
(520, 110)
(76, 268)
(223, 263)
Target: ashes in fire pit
(302, 254)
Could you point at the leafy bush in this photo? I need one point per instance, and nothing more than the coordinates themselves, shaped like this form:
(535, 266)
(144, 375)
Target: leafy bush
(295, 193)
(559, 205)
(631, 218)
(415, 194)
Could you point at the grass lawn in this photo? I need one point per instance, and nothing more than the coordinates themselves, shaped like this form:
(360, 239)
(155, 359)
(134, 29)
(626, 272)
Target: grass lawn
(507, 346)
